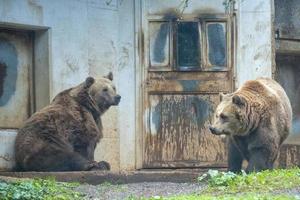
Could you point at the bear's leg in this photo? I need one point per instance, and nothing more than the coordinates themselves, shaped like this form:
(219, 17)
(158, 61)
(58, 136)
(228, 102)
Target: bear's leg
(51, 159)
(88, 152)
(58, 161)
(258, 161)
(235, 158)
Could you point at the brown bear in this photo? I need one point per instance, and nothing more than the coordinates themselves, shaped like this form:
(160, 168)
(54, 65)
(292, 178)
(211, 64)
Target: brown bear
(63, 135)
(257, 118)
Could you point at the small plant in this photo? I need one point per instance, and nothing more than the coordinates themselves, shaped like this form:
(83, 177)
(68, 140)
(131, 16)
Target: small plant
(38, 189)
(216, 178)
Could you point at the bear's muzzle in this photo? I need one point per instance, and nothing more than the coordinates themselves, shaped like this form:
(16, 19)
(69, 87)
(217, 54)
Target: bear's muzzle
(117, 100)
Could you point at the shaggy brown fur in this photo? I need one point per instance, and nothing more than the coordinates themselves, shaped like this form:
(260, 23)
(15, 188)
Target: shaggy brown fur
(257, 118)
(63, 135)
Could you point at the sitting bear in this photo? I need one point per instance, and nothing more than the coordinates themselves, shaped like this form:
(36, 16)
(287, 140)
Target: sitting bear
(63, 135)
(257, 118)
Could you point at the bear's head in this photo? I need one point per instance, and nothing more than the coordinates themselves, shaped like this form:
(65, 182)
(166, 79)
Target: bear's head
(97, 95)
(104, 93)
(230, 116)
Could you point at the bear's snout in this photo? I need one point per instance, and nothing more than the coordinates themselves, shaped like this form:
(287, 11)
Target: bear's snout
(213, 130)
(117, 99)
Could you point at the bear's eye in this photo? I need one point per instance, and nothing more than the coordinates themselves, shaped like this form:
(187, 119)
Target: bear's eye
(223, 117)
(114, 88)
(105, 90)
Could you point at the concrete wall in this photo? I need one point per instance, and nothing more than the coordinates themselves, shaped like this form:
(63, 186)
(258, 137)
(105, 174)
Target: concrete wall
(87, 37)
(255, 45)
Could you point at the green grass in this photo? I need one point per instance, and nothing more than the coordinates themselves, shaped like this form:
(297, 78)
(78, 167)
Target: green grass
(254, 186)
(38, 189)
(261, 182)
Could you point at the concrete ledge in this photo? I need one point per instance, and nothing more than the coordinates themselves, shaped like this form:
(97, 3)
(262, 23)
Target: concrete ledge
(98, 177)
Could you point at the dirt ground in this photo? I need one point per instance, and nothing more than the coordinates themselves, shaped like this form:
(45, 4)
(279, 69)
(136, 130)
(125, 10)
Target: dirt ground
(144, 189)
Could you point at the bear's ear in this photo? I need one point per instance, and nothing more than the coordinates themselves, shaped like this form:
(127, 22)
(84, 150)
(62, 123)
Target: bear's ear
(222, 96)
(89, 81)
(109, 76)
(238, 100)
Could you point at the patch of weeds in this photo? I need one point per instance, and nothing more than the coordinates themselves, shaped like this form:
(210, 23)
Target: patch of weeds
(265, 181)
(39, 189)
(219, 179)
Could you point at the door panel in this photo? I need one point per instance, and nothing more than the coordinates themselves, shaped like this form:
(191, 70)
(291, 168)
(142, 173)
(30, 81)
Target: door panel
(178, 134)
(188, 82)
(187, 63)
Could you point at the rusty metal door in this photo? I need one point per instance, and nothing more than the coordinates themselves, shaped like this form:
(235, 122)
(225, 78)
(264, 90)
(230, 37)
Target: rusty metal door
(15, 77)
(187, 62)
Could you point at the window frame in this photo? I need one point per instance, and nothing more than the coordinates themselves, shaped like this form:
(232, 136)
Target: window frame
(202, 20)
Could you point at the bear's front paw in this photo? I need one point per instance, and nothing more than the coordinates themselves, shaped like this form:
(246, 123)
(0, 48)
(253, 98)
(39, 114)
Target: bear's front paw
(102, 165)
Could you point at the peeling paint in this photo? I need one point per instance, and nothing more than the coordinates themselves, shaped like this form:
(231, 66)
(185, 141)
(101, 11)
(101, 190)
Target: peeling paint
(202, 109)
(155, 115)
(180, 124)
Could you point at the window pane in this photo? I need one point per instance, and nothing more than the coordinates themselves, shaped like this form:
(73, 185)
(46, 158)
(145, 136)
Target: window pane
(216, 36)
(159, 44)
(15, 62)
(188, 45)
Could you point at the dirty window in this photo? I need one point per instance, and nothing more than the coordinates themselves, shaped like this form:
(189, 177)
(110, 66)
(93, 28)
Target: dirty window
(15, 60)
(159, 44)
(188, 46)
(216, 45)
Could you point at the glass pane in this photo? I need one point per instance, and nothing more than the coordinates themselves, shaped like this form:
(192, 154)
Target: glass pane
(188, 45)
(159, 44)
(15, 61)
(216, 36)
(9, 71)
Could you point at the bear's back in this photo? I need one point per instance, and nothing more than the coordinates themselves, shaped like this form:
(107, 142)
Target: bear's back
(279, 94)
(275, 101)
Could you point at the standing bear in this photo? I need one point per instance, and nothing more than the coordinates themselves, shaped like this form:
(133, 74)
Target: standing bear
(63, 135)
(257, 118)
